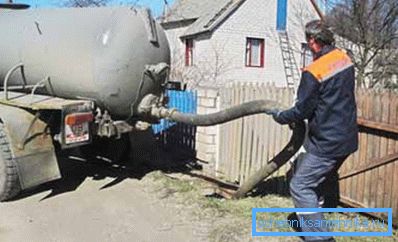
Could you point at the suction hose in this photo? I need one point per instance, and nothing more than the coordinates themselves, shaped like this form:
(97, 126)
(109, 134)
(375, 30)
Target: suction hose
(239, 111)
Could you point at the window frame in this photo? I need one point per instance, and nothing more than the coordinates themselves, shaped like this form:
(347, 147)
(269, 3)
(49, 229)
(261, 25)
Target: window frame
(249, 52)
(306, 55)
(189, 47)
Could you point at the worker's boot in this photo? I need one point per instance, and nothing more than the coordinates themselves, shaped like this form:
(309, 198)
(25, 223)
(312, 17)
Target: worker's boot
(293, 217)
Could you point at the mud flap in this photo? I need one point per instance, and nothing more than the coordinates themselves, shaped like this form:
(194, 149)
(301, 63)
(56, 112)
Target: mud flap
(31, 146)
(38, 168)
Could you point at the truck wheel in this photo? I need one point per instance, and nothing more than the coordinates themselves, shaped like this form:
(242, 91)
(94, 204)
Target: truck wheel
(9, 179)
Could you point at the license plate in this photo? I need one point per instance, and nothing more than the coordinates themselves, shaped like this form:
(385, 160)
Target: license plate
(77, 133)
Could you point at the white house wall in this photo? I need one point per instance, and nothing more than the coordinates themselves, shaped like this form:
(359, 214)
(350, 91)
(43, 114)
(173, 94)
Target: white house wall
(177, 50)
(255, 19)
(299, 13)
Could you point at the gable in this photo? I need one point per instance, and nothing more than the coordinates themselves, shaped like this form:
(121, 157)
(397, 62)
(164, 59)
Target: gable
(210, 20)
(205, 16)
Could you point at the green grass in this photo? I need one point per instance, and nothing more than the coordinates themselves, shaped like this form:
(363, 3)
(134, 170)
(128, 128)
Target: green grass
(234, 216)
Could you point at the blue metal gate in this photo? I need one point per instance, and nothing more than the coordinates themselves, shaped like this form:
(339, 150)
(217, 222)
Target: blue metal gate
(176, 135)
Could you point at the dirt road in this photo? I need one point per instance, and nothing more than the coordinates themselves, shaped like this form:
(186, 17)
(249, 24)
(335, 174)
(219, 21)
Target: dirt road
(92, 203)
(155, 198)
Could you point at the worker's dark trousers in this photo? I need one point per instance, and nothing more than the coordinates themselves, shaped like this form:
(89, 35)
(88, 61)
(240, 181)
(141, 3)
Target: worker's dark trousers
(313, 178)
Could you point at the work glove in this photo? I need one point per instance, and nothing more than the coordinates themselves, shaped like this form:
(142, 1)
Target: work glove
(275, 115)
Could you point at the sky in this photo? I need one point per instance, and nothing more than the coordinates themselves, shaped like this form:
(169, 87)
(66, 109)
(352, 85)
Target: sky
(155, 5)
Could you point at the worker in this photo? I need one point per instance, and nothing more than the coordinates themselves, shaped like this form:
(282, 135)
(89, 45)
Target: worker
(326, 99)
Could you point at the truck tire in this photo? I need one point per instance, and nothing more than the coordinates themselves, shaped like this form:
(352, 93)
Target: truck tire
(9, 179)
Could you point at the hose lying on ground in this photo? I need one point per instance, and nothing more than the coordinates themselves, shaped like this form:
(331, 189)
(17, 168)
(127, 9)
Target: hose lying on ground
(245, 109)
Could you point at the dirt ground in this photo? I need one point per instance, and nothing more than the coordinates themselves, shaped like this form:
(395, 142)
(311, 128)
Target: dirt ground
(95, 201)
(151, 199)
(140, 200)
(86, 206)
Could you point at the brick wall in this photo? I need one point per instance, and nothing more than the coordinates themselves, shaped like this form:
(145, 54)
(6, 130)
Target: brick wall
(207, 144)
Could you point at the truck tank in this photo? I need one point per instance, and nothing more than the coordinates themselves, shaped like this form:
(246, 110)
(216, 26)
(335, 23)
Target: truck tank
(98, 54)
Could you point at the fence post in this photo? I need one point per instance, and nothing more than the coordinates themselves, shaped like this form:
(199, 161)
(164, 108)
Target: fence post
(207, 144)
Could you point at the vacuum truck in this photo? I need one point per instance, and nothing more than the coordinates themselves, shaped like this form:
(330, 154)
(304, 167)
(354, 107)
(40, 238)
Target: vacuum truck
(68, 75)
(71, 76)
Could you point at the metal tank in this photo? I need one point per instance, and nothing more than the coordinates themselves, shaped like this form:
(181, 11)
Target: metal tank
(98, 54)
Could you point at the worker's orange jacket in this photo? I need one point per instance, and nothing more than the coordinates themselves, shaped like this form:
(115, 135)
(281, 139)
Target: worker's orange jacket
(326, 97)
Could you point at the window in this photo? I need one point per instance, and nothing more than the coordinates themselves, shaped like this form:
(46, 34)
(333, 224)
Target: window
(306, 55)
(189, 52)
(254, 52)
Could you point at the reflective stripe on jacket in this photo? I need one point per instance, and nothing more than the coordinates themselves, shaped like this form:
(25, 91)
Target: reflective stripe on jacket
(326, 97)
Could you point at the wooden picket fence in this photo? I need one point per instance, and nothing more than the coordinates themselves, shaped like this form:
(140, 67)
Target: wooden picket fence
(248, 143)
(369, 177)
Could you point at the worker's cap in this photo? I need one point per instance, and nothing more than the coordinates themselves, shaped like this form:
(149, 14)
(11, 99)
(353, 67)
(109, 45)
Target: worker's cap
(321, 32)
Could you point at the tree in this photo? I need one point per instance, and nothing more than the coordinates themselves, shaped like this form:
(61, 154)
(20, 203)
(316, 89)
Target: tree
(209, 67)
(371, 28)
(85, 3)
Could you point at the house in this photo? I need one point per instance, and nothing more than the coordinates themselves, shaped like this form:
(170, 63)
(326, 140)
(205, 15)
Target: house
(213, 42)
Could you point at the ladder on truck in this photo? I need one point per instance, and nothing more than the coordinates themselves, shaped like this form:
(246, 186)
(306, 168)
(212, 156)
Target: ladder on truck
(289, 62)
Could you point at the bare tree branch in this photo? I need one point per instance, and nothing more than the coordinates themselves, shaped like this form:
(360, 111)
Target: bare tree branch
(372, 27)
